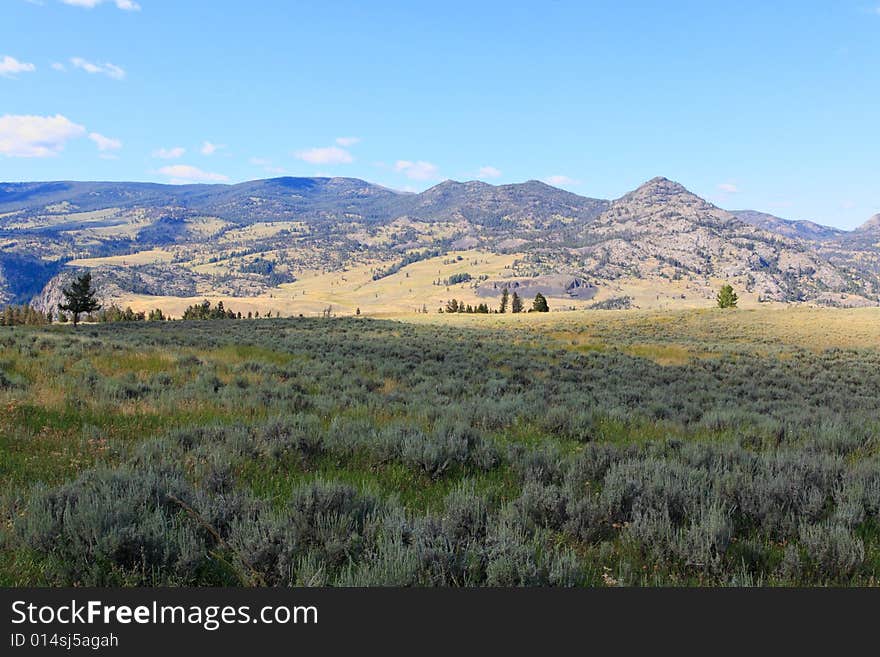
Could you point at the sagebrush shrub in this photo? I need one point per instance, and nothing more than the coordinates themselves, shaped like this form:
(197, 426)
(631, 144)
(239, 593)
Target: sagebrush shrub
(113, 527)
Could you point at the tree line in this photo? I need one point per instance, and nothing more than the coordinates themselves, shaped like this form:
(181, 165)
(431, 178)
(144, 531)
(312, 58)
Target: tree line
(509, 302)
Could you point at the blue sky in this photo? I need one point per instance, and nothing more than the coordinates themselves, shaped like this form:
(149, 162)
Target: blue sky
(760, 105)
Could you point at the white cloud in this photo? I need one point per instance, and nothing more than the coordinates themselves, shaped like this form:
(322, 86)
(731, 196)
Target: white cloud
(58, 66)
(209, 148)
(416, 170)
(328, 155)
(488, 172)
(125, 5)
(36, 136)
(729, 188)
(347, 141)
(184, 173)
(10, 66)
(559, 180)
(108, 69)
(105, 143)
(169, 153)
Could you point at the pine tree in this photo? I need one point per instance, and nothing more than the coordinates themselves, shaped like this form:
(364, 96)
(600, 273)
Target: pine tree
(727, 297)
(540, 304)
(80, 297)
(505, 295)
(516, 304)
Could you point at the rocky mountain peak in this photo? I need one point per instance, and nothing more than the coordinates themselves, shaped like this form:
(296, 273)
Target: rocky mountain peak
(660, 191)
(661, 186)
(871, 225)
(659, 196)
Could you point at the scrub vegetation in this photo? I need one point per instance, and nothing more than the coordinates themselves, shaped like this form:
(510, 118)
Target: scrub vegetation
(615, 449)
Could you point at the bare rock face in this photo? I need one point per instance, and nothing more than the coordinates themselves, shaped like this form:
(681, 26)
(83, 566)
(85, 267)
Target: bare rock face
(551, 285)
(49, 298)
(872, 225)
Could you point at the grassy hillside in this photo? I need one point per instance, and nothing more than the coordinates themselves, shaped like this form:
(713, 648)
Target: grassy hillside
(598, 448)
(413, 287)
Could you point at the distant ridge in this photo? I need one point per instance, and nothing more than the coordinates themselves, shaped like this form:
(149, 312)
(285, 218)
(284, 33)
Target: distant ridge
(800, 229)
(249, 238)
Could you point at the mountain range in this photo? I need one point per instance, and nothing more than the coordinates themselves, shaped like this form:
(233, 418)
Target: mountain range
(308, 242)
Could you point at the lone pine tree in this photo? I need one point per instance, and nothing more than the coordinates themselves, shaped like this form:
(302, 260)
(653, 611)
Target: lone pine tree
(540, 304)
(726, 297)
(80, 297)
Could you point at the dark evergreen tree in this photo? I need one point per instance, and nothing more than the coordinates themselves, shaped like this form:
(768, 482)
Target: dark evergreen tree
(540, 304)
(505, 295)
(80, 297)
(516, 304)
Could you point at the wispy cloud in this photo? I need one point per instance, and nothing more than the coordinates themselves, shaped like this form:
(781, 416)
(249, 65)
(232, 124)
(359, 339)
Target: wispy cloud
(108, 69)
(125, 5)
(560, 180)
(209, 148)
(105, 143)
(348, 141)
(58, 66)
(729, 188)
(169, 153)
(10, 67)
(36, 136)
(184, 173)
(420, 170)
(328, 155)
(488, 172)
(267, 165)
